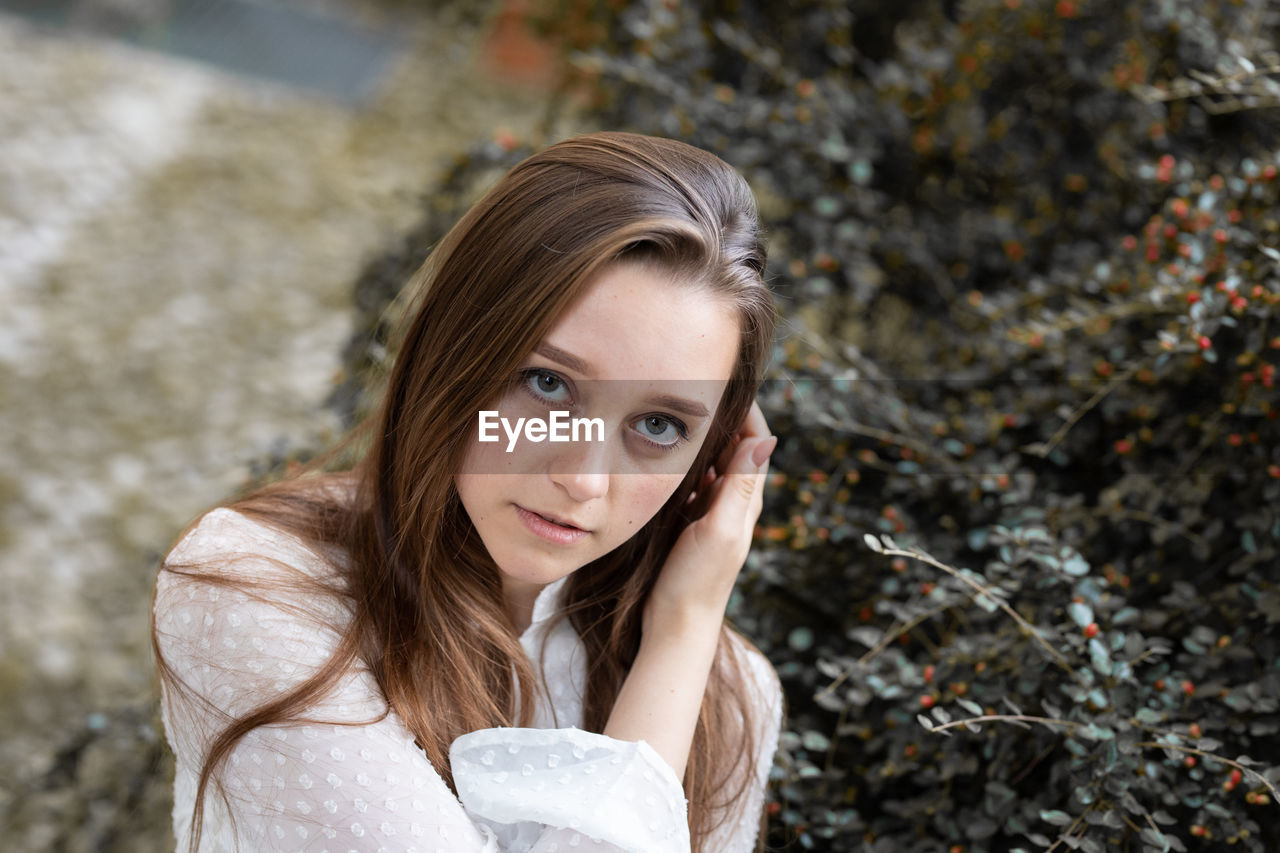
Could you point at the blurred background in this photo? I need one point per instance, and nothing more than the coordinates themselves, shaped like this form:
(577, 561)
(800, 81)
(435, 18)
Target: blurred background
(188, 191)
(1027, 261)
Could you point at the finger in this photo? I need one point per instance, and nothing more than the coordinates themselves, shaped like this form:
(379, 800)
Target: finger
(753, 426)
(738, 496)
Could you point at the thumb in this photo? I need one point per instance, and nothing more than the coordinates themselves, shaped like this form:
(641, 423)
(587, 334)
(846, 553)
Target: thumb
(763, 449)
(749, 465)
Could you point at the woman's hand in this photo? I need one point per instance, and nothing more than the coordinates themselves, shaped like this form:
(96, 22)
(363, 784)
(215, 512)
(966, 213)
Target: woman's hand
(698, 576)
(661, 695)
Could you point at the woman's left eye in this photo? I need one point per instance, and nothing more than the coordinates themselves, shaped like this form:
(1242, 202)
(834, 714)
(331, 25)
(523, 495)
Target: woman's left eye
(661, 431)
(546, 386)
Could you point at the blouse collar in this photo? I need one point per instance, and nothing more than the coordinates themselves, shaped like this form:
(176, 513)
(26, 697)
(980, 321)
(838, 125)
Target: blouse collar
(547, 603)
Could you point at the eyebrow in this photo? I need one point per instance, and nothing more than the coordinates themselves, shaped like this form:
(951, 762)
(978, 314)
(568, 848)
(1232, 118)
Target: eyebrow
(691, 408)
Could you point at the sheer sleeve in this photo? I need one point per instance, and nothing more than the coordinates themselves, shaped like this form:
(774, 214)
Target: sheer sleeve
(350, 777)
(738, 833)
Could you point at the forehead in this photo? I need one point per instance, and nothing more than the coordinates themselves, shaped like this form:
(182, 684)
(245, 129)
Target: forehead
(637, 323)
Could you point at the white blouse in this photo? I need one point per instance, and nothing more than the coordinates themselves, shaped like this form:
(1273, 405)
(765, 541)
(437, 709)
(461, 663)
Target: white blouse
(349, 781)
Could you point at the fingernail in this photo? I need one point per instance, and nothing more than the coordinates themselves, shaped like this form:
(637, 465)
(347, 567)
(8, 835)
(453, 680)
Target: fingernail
(761, 454)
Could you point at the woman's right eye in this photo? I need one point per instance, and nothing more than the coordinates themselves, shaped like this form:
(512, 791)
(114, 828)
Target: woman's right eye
(547, 386)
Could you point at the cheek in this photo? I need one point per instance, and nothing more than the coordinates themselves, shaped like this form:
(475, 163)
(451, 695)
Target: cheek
(645, 495)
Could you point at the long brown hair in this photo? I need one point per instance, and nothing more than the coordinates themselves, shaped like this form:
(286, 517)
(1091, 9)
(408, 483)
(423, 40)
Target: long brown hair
(490, 291)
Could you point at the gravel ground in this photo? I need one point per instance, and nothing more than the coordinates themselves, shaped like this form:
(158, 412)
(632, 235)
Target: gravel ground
(177, 247)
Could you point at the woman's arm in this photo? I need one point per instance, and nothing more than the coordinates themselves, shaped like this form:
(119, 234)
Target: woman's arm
(662, 694)
(349, 776)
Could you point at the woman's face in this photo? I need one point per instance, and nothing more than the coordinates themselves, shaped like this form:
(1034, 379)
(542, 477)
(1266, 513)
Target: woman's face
(646, 357)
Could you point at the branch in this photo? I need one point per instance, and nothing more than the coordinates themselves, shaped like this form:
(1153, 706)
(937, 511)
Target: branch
(982, 590)
(1275, 795)
(1008, 718)
(1043, 449)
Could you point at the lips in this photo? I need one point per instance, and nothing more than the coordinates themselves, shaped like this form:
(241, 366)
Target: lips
(555, 519)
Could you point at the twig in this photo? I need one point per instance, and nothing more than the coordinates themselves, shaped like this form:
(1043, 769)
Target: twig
(990, 594)
(1008, 718)
(1062, 839)
(1275, 795)
(879, 647)
(1043, 449)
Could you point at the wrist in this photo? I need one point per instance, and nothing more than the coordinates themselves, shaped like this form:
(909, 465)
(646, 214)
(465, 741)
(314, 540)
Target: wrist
(686, 622)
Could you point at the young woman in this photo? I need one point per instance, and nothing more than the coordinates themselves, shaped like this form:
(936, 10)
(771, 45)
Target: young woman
(469, 643)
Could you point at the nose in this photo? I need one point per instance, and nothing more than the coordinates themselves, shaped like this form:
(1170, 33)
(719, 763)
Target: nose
(582, 471)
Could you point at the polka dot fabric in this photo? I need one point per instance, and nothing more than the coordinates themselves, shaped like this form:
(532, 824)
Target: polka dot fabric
(352, 779)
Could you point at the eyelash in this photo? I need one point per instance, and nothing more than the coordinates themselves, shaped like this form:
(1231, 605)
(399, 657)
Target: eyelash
(527, 375)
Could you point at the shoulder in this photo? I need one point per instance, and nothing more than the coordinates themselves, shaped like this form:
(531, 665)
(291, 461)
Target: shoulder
(243, 611)
(757, 668)
(764, 688)
(222, 538)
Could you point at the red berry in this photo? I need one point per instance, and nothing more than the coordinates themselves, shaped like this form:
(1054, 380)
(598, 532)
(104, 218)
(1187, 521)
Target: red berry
(1091, 630)
(1236, 776)
(1123, 446)
(1188, 688)
(928, 673)
(1198, 830)
(1203, 342)
(1189, 761)
(927, 701)
(1193, 297)
(1159, 684)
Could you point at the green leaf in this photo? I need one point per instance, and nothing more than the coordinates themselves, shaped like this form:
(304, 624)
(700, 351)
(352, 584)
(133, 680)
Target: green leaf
(1247, 542)
(1150, 716)
(1156, 837)
(1081, 613)
(1076, 566)
(800, 639)
(1099, 658)
(1055, 817)
(815, 741)
(1125, 615)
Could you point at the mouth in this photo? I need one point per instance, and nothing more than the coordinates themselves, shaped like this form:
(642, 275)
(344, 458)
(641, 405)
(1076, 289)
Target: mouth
(556, 520)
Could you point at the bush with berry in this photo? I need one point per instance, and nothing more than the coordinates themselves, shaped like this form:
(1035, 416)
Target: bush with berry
(1018, 568)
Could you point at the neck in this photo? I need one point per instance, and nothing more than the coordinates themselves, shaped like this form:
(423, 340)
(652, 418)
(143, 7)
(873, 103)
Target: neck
(519, 597)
